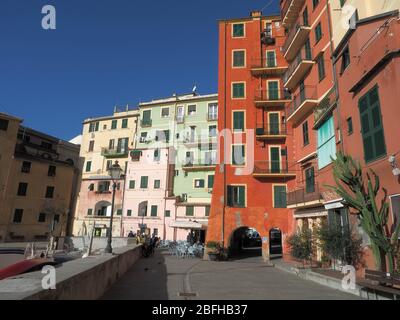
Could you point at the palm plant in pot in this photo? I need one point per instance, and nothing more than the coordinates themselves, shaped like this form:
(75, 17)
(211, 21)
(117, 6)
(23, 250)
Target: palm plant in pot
(213, 250)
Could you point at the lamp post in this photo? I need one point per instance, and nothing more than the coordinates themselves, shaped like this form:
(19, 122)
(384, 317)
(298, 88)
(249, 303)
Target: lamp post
(115, 172)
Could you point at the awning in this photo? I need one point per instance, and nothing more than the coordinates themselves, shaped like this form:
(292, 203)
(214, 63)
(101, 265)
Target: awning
(189, 225)
(311, 213)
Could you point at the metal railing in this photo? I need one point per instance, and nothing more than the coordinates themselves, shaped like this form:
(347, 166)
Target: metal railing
(303, 55)
(115, 153)
(304, 194)
(274, 167)
(306, 93)
(291, 35)
(271, 129)
(146, 123)
(264, 63)
(272, 95)
(325, 105)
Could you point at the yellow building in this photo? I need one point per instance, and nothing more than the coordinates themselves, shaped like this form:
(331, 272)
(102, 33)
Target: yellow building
(343, 12)
(37, 184)
(104, 141)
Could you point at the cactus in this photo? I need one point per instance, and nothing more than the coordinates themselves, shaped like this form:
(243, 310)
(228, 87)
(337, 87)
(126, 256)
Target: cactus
(348, 176)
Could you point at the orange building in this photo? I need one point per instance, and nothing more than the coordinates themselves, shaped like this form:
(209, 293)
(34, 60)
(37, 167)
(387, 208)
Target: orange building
(368, 69)
(249, 195)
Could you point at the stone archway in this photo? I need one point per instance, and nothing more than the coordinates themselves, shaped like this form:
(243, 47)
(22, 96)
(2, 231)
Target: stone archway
(245, 242)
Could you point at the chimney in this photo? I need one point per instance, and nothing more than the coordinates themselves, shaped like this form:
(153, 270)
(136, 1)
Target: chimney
(256, 14)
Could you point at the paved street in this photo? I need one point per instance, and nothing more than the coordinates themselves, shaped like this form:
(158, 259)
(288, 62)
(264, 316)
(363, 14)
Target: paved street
(166, 278)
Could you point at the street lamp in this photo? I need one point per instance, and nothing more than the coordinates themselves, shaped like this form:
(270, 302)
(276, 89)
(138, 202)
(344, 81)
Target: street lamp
(115, 173)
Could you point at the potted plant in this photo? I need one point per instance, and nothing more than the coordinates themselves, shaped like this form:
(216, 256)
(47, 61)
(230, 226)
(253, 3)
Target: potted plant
(214, 250)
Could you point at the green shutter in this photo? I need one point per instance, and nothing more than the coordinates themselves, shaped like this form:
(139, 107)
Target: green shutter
(208, 209)
(129, 213)
(242, 197)
(371, 126)
(238, 121)
(190, 211)
(275, 160)
(238, 90)
(157, 184)
(238, 58)
(210, 183)
(273, 90)
(97, 126)
(274, 123)
(271, 59)
(280, 197)
(154, 211)
(124, 123)
(114, 124)
(321, 68)
(144, 182)
(88, 166)
(119, 212)
(238, 30)
(132, 184)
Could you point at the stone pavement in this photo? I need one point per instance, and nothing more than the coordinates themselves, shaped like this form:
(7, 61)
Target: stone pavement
(163, 277)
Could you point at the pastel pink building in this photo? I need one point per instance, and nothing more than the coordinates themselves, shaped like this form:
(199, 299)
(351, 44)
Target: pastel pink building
(146, 189)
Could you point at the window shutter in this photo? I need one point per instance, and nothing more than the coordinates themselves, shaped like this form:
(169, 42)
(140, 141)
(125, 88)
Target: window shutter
(229, 200)
(242, 197)
(275, 160)
(273, 90)
(271, 59)
(210, 184)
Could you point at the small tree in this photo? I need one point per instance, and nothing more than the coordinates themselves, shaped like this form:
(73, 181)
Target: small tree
(340, 243)
(300, 245)
(362, 197)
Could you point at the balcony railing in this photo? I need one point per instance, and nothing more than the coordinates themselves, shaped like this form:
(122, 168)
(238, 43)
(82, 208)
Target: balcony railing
(324, 107)
(296, 38)
(290, 11)
(203, 166)
(298, 68)
(274, 169)
(267, 66)
(304, 196)
(274, 129)
(302, 103)
(146, 123)
(115, 153)
(272, 95)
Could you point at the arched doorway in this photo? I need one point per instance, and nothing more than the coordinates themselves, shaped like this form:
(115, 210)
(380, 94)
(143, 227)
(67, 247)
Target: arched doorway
(103, 209)
(275, 242)
(245, 243)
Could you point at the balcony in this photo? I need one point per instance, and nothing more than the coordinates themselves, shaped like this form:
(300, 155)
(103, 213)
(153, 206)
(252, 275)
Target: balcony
(271, 98)
(298, 69)
(115, 153)
(324, 108)
(196, 167)
(274, 169)
(306, 197)
(291, 11)
(146, 123)
(267, 67)
(295, 40)
(271, 131)
(302, 104)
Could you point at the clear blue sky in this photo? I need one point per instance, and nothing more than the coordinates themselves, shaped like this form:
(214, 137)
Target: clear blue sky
(106, 53)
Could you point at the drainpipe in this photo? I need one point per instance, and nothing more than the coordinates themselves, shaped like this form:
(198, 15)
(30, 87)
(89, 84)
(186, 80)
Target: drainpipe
(336, 83)
(224, 165)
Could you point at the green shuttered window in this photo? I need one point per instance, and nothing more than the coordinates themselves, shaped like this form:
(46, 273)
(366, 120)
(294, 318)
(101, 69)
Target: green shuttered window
(238, 90)
(238, 121)
(371, 126)
(144, 182)
(236, 197)
(280, 197)
(238, 30)
(239, 58)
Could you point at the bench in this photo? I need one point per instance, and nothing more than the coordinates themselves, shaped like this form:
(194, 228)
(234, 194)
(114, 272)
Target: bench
(382, 282)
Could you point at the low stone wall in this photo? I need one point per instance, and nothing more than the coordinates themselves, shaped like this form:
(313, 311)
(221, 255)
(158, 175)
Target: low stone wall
(79, 243)
(83, 279)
